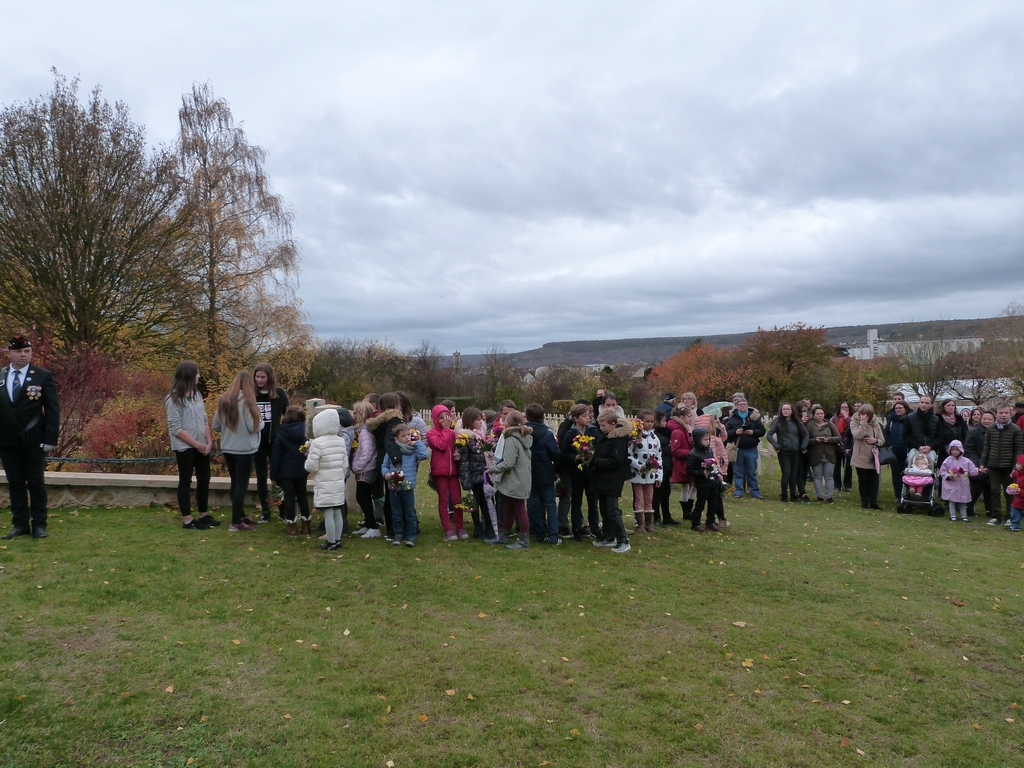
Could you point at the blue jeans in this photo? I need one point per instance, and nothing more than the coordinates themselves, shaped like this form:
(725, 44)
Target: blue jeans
(403, 515)
(542, 508)
(745, 469)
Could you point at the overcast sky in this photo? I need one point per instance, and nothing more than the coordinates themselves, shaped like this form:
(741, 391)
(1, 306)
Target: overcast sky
(515, 173)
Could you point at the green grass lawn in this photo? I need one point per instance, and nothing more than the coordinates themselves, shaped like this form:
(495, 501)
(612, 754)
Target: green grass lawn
(870, 638)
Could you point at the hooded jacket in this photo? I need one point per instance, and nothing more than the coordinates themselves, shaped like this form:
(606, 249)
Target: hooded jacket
(365, 458)
(327, 460)
(1018, 478)
(545, 452)
(512, 475)
(382, 426)
(680, 444)
(956, 474)
(442, 446)
(611, 461)
(286, 460)
(695, 461)
(412, 455)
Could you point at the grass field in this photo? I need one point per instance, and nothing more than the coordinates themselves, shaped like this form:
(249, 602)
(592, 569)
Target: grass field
(804, 635)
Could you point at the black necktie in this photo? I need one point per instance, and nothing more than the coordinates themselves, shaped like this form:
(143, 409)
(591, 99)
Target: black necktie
(16, 386)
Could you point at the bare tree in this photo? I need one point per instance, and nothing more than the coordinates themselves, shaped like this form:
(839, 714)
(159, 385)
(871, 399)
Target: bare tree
(1005, 340)
(427, 376)
(242, 260)
(88, 223)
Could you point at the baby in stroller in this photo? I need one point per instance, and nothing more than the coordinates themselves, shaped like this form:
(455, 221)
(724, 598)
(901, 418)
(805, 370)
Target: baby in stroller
(919, 478)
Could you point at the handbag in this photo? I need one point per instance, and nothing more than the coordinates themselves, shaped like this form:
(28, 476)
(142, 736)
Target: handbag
(886, 455)
(732, 450)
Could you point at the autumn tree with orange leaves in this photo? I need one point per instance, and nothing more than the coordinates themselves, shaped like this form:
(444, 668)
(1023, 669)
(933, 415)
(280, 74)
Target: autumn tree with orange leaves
(707, 371)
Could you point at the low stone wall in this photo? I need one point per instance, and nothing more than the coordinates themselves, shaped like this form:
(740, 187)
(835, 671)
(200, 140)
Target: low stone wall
(94, 489)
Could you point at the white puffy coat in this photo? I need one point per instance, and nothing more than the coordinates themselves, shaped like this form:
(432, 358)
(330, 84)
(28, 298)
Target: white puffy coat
(327, 460)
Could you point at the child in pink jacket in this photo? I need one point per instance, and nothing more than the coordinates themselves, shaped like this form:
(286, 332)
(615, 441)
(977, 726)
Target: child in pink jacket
(956, 472)
(444, 471)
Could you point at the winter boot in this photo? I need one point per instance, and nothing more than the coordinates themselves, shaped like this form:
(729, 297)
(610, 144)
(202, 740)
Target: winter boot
(649, 517)
(639, 517)
(687, 508)
(293, 529)
(305, 525)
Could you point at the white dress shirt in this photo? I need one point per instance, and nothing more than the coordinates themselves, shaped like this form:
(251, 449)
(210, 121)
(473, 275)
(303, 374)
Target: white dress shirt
(22, 374)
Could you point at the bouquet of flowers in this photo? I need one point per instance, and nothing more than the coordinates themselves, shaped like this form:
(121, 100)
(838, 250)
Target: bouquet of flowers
(304, 448)
(397, 481)
(462, 440)
(584, 445)
(488, 443)
(955, 472)
(651, 465)
(1012, 489)
(415, 434)
(275, 496)
(355, 443)
(560, 487)
(636, 433)
(466, 507)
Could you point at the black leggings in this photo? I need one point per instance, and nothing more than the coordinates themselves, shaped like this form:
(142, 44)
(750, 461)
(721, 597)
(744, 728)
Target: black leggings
(789, 462)
(662, 497)
(190, 460)
(240, 468)
(364, 497)
(261, 460)
(867, 484)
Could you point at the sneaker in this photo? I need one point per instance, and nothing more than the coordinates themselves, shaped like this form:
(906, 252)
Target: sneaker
(451, 536)
(699, 529)
(953, 519)
(993, 521)
(603, 543)
(208, 520)
(388, 537)
(565, 533)
(248, 520)
(235, 527)
(371, 533)
(556, 541)
(265, 517)
(713, 527)
(965, 519)
(462, 535)
(830, 501)
(396, 542)
(589, 535)
(199, 524)
(758, 497)
(410, 542)
(333, 545)
(1008, 523)
(1011, 529)
(621, 549)
(723, 523)
(191, 525)
(325, 545)
(361, 530)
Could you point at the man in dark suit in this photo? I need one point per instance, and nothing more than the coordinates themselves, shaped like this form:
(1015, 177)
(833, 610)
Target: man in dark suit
(29, 424)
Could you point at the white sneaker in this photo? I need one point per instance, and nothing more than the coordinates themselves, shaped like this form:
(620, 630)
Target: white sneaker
(603, 543)
(372, 533)
(622, 548)
(1007, 523)
(360, 530)
(992, 521)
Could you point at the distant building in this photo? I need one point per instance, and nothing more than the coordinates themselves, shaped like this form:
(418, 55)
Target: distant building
(875, 347)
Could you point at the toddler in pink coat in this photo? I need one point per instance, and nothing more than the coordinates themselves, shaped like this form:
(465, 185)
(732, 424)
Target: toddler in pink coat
(955, 474)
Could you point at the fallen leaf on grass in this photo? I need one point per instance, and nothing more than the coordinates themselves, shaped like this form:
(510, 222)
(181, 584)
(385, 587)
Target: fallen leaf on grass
(346, 633)
(1010, 720)
(905, 597)
(203, 718)
(423, 718)
(740, 624)
(287, 717)
(957, 602)
(965, 658)
(470, 697)
(450, 691)
(728, 655)
(975, 726)
(404, 606)
(169, 689)
(845, 742)
(190, 761)
(68, 702)
(757, 691)
(574, 732)
(481, 615)
(846, 701)
(314, 646)
(299, 642)
(861, 752)
(382, 698)
(388, 710)
(236, 642)
(390, 764)
(564, 658)
(748, 663)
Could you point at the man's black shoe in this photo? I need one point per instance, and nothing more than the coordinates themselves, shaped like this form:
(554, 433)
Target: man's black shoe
(39, 532)
(15, 533)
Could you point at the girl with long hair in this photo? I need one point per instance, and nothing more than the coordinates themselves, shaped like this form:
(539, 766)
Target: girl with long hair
(240, 423)
(192, 442)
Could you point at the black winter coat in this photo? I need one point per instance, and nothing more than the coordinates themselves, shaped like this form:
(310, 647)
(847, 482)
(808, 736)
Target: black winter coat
(695, 466)
(667, 461)
(753, 421)
(611, 461)
(472, 464)
(286, 461)
(921, 429)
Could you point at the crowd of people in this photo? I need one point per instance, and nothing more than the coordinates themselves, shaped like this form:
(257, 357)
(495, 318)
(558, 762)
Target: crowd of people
(517, 480)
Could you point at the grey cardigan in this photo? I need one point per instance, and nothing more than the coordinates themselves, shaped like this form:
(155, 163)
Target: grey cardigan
(243, 440)
(189, 416)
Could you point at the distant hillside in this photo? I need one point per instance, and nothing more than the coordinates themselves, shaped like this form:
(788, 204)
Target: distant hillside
(654, 350)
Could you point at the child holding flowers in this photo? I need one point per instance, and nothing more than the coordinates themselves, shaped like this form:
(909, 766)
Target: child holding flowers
(401, 482)
(611, 470)
(473, 461)
(646, 470)
(577, 457)
(956, 472)
(1013, 490)
(703, 468)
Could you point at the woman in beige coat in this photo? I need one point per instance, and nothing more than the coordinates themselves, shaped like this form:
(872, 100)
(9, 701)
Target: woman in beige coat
(867, 438)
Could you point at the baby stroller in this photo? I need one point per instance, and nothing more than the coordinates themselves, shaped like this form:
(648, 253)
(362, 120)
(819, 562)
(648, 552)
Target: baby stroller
(920, 485)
